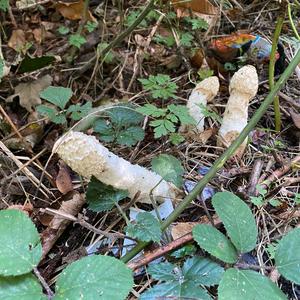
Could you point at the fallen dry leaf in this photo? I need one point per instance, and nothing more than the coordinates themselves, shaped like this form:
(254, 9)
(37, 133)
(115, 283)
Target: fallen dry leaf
(63, 179)
(295, 118)
(29, 92)
(74, 10)
(17, 40)
(199, 6)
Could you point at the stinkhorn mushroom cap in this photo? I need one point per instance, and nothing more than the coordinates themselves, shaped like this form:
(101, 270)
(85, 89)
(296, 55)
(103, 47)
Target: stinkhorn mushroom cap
(245, 81)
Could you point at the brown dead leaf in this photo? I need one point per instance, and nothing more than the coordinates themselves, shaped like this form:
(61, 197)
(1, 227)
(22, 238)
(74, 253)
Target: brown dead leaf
(197, 58)
(295, 118)
(27, 208)
(29, 92)
(74, 10)
(63, 179)
(17, 40)
(58, 224)
(199, 6)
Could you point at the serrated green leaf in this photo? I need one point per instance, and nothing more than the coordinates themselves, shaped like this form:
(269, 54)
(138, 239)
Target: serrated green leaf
(202, 271)
(47, 111)
(287, 256)
(124, 116)
(77, 40)
(215, 243)
(176, 138)
(63, 30)
(20, 248)
(169, 125)
(152, 110)
(102, 197)
(162, 271)
(237, 219)
(107, 133)
(169, 168)
(130, 136)
(146, 228)
(58, 96)
(91, 26)
(182, 113)
(94, 277)
(174, 290)
(246, 284)
(79, 111)
(186, 39)
(59, 119)
(24, 287)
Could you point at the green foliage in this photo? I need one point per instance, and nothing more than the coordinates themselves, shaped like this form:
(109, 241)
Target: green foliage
(197, 23)
(168, 41)
(109, 56)
(63, 30)
(94, 277)
(215, 243)
(77, 40)
(176, 138)
(146, 228)
(160, 86)
(207, 113)
(132, 16)
(4, 4)
(90, 26)
(205, 73)
(186, 39)
(287, 256)
(184, 251)
(120, 126)
(102, 197)
(24, 287)
(29, 64)
(60, 96)
(20, 248)
(1, 68)
(185, 281)
(169, 168)
(271, 250)
(260, 200)
(169, 118)
(246, 284)
(241, 226)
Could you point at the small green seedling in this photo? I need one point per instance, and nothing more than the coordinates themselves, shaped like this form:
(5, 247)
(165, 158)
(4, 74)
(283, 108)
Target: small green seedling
(77, 40)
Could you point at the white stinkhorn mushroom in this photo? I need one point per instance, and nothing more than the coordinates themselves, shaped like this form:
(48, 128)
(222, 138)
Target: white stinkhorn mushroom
(88, 157)
(203, 93)
(243, 87)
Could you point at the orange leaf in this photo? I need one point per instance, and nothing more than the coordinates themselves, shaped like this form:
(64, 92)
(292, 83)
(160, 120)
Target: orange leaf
(200, 6)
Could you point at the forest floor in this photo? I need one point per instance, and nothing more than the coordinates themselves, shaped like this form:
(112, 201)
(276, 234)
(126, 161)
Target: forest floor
(59, 43)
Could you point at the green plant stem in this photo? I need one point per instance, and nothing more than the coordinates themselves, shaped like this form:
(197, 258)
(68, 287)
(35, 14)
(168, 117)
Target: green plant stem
(225, 156)
(292, 22)
(275, 40)
(120, 37)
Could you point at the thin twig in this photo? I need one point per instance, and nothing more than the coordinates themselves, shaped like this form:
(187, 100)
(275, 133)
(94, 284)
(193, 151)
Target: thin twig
(43, 282)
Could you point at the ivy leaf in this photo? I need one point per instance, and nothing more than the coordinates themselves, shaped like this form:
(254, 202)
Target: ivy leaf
(58, 96)
(146, 228)
(94, 277)
(130, 136)
(24, 287)
(287, 256)
(102, 197)
(169, 168)
(237, 219)
(246, 284)
(20, 248)
(215, 243)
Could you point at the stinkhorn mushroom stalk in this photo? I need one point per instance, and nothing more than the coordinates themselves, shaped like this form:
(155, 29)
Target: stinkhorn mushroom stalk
(85, 155)
(243, 87)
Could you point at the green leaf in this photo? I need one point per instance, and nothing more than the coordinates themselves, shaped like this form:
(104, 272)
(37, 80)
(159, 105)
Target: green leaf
(160, 129)
(198, 23)
(182, 113)
(79, 111)
(146, 228)
(184, 251)
(102, 197)
(125, 116)
(130, 136)
(91, 26)
(52, 114)
(77, 40)
(237, 219)
(29, 64)
(63, 30)
(169, 168)
(176, 138)
(175, 290)
(107, 133)
(287, 256)
(109, 56)
(152, 110)
(215, 243)
(1, 67)
(24, 287)
(246, 284)
(58, 96)
(4, 5)
(202, 271)
(162, 271)
(94, 277)
(169, 40)
(186, 39)
(20, 248)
